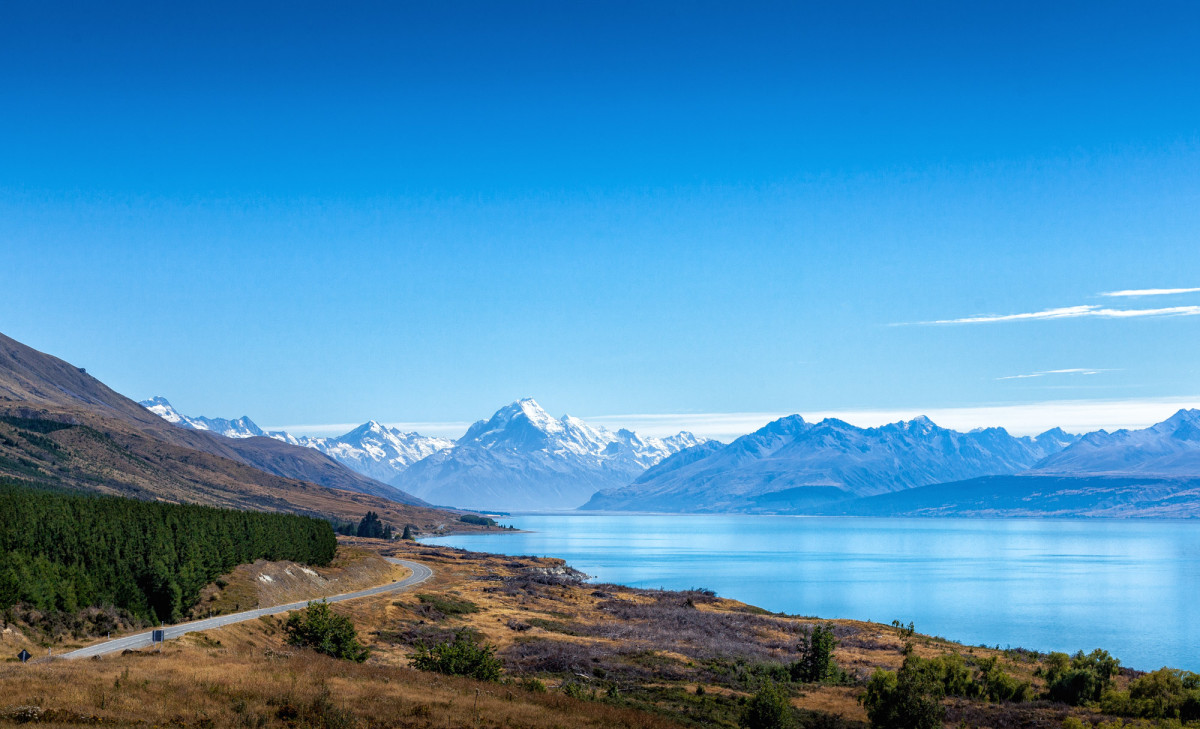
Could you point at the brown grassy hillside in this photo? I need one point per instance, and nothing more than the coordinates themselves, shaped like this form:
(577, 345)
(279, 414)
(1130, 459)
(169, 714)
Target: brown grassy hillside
(59, 425)
(35, 384)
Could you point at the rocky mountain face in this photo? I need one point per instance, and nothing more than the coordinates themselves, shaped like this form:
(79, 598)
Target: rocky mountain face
(1169, 449)
(793, 465)
(1149, 473)
(522, 458)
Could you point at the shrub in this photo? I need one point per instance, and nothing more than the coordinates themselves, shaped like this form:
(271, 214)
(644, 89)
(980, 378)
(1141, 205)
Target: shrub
(989, 681)
(909, 699)
(462, 656)
(477, 520)
(1079, 679)
(1163, 694)
(325, 631)
(575, 690)
(448, 605)
(768, 709)
(996, 685)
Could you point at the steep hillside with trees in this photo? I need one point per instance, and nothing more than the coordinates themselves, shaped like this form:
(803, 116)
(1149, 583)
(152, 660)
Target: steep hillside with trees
(65, 551)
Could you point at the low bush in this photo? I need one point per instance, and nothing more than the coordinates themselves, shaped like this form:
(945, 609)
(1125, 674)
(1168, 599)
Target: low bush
(325, 631)
(987, 681)
(447, 605)
(1079, 679)
(1163, 694)
(462, 656)
(768, 709)
(907, 699)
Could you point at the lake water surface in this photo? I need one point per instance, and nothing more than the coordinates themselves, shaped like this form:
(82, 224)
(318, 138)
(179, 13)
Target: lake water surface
(1130, 587)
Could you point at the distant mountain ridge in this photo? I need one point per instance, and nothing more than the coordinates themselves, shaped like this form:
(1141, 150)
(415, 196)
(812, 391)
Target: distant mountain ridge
(521, 458)
(243, 427)
(372, 449)
(1150, 473)
(794, 465)
(1168, 449)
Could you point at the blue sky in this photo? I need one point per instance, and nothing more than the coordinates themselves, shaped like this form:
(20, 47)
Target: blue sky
(667, 213)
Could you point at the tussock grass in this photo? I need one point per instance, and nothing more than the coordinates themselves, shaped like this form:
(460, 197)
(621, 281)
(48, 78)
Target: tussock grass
(251, 687)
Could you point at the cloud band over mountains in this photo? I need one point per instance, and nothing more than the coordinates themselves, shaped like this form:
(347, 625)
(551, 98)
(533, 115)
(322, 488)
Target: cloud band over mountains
(1076, 416)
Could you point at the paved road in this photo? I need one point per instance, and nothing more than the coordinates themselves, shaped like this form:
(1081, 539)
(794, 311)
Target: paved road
(420, 573)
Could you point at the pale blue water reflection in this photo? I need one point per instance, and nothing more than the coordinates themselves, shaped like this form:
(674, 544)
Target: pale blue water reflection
(1126, 586)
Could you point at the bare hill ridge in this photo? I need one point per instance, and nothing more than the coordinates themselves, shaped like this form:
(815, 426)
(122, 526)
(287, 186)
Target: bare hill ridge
(33, 378)
(62, 426)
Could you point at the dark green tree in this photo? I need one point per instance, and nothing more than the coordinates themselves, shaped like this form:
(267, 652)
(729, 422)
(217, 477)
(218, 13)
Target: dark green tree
(63, 551)
(816, 656)
(325, 631)
(370, 526)
(408, 533)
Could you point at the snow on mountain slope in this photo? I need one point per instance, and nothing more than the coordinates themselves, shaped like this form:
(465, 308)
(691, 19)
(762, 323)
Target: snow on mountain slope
(523, 458)
(375, 450)
(790, 463)
(1170, 449)
(243, 427)
(371, 449)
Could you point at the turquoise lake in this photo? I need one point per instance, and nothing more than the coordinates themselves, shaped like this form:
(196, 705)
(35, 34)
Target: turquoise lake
(1130, 587)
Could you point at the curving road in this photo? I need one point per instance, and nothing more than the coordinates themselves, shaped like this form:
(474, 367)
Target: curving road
(420, 573)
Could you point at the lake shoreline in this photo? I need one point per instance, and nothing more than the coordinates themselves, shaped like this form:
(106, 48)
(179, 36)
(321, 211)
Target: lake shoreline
(1045, 585)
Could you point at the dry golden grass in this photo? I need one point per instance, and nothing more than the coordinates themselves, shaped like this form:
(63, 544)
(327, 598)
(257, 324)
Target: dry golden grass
(238, 677)
(601, 638)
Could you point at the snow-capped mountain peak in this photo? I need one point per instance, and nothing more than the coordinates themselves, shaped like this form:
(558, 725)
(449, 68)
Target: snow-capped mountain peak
(372, 449)
(523, 458)
(242, 427)
(163, 409)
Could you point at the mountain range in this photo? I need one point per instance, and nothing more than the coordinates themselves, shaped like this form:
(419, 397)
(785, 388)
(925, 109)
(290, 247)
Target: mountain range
(520, 458)
(792, 465)
(523, 459)
(372, 449)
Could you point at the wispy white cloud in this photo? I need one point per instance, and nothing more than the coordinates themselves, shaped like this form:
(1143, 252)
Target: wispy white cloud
(1043, 373)
(1075, 312)
(1149, 292)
